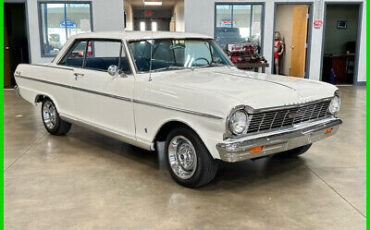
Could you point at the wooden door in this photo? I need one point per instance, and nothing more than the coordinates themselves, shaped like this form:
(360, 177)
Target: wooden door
(299, 39)
(7, 65)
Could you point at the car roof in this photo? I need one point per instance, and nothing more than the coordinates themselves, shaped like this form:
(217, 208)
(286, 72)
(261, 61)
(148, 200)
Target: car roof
(139, 35)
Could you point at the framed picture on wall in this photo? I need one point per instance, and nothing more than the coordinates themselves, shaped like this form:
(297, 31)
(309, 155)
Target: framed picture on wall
(341, 25)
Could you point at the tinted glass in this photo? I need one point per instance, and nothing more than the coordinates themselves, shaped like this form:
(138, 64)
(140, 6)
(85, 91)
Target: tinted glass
(102, 54)
(75, 56)
(141, 52)
(168, 54)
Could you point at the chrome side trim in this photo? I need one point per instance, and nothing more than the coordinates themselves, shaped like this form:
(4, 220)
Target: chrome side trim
(75, 88)
(276, 142)
(177, 109)
(125, 98)
(119, 136)
(51, 66)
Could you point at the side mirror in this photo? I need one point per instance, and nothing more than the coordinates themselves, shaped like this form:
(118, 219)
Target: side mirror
(113, 70)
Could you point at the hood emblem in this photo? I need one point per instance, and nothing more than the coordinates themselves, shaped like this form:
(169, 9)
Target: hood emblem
(296, 114)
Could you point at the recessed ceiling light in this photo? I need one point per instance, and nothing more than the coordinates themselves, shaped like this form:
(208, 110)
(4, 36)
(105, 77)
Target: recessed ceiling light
(153, 3)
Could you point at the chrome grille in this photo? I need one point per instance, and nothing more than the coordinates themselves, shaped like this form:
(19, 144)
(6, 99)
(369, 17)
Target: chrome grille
(288, 117)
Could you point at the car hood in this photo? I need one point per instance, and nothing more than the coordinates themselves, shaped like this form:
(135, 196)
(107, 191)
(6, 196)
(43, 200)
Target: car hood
(236, 87)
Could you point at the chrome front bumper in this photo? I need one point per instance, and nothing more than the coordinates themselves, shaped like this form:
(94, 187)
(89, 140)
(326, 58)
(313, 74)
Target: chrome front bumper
(16, 88)
(277, 141)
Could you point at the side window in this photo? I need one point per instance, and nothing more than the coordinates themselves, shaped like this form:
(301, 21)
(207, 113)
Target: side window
(102, 54)
(75, 56)
(141, 53)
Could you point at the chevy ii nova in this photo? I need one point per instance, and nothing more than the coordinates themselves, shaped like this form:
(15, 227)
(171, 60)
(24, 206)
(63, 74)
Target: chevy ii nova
(178, 91)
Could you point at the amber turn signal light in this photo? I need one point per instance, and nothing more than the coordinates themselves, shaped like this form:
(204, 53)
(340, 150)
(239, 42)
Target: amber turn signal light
(328, 130)
(256, 149)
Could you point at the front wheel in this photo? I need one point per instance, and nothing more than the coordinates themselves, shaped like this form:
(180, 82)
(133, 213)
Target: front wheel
(190, 163)
(51, 119)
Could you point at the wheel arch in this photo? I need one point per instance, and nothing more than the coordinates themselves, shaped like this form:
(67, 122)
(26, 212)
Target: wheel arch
(170, 125)
(40, 97)
(206, 138)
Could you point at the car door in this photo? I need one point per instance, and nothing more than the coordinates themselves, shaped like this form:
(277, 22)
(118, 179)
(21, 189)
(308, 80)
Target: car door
(71, 63)
(102, 100)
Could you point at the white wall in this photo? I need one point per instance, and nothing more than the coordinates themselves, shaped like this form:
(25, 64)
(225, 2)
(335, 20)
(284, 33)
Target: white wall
(106, 17)
(129, 16)
(200, 14)
(178, 10)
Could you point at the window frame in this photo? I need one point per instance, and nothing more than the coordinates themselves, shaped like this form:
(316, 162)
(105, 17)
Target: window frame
(70, 49)
(132, 55)
(154, 39)
(243, 3)
(123, 48)
(41, 29)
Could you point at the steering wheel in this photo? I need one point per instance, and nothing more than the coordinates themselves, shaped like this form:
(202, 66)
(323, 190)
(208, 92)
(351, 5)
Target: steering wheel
(201, 58)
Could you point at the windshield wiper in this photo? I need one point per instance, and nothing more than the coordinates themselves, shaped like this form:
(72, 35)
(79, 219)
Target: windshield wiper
(170, 67)
(213, 64)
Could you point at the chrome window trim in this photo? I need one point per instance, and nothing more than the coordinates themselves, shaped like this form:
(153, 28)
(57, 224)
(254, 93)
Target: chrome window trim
(153, 39)
(70, 49)
(87, 40)
(126, 99)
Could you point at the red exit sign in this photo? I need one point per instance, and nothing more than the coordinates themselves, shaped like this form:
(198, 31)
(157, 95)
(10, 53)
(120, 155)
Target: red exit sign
(148, 12)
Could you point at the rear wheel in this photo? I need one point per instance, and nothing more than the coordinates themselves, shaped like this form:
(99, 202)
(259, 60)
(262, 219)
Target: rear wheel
(51, 119)
(190, 163)
(294, 152)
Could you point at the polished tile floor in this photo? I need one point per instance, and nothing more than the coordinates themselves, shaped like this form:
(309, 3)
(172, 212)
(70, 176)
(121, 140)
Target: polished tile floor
(88, 181)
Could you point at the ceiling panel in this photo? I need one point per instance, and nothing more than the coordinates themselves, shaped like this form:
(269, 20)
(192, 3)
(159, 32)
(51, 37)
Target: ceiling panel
(139, 4)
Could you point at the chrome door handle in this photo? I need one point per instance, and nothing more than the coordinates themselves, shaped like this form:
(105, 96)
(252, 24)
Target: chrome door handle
(77, 75)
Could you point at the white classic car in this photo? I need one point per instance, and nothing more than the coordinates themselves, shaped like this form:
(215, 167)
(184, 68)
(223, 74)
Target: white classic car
(180, 91)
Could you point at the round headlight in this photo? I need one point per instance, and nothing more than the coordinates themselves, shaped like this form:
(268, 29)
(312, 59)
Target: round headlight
(238, 122)
(334, 106)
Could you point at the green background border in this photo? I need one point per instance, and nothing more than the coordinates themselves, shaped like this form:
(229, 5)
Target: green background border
(367, 111)
(2, 111)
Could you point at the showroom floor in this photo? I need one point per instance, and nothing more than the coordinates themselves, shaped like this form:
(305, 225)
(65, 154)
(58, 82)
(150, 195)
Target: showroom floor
(88, 181)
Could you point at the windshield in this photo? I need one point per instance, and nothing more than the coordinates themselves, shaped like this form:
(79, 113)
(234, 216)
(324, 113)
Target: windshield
(170, 54)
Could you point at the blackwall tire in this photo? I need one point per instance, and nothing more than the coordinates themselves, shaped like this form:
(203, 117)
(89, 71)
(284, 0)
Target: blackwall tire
(189, 161)
(51, 119)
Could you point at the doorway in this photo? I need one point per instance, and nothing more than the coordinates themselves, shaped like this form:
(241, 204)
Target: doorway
(155, 15)
(152, 20)
(340, 43)
(291, 48)
(15, 40)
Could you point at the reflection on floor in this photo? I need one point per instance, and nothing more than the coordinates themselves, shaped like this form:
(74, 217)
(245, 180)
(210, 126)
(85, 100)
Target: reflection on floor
(89, 181)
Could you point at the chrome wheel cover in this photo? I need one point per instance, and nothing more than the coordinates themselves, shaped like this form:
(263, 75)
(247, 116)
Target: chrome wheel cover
(49, 115)
(182, 157)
